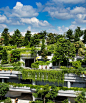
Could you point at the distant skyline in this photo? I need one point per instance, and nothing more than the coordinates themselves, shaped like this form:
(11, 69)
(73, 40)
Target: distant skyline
(56, 16)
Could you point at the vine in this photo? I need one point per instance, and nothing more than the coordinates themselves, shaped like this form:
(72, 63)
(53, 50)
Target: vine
(46, 75)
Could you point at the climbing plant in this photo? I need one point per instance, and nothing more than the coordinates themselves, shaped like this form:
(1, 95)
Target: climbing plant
(4, 57)
(15, 56)
(46, 75)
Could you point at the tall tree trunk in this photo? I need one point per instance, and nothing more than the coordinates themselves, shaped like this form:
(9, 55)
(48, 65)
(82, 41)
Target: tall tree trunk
(67, 62)
(44, 99)
(34, 59)
(54, 100)
(1, 97)
(59, 63)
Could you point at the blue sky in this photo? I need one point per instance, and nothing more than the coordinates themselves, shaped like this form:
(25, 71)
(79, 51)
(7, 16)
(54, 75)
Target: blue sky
(56, 16)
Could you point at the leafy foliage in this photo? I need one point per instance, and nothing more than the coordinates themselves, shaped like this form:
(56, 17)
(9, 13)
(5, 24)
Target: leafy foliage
(63, 50)
(78, 34)
(15, 56)
(46, 93)
(76, 64)
(65, 101)
(34, 65)
(4, 88)
(69, 34)
(5, 35)
(51, 38)
(46, 75)
(27, 38)
(4, 57)
(84, 37)
(17, 38)
(34, 40)
(80, 98)
(8, 100)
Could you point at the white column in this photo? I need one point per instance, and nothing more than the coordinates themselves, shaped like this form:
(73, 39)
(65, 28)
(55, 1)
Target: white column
(33, 98)
(69, 100)
(2, 80)
(33, 82)
(68, 84)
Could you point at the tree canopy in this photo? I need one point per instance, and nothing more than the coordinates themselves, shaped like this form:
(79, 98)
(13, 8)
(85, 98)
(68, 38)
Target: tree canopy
(4, 88)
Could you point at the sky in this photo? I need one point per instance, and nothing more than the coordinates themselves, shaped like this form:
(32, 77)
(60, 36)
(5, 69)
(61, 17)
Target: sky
(56, 16)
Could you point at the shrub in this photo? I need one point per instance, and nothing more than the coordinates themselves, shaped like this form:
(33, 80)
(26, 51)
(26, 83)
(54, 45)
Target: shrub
(63, 67)
(4, 57)
(65, 101)
(76, 64)
(8, 100)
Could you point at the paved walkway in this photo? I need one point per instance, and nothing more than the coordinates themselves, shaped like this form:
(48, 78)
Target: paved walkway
(20, 101)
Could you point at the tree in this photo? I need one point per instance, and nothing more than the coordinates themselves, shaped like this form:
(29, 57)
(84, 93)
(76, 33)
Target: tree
(84, 61)
(69, 34)
(58, 52)
(79, 44)
(47, 93)
(34, 40)
(4, 88)
(33, 53)
(43, 45)
(5, 31)
(8, 100)
(51, 38)
(15, 56)
(11, 41)
(78, 34)
(5, 35)
(43, 50)
(65, 101)
(53, 93)
(70, 51)
(17, 38)
(27, 38)
(80, 98)
(81, 52)
(1, 50)
(34, 65)
(4, 57)
(84, 37)
(42, 34)
(64, 49)
(42, 92)
(76, 64)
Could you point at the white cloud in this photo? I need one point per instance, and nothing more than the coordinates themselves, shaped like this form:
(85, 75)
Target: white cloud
(2, 18)
(19, 5)
(39, 5)
(35, 22)
(62, 29)
(80, 19)
(66, 13)
(11, 32)
(72, 27)
(29, 28)
(59, 15)
(21, 10)
(3, 26)
(70, 1)
(15, 23)
(78, 10)
(59, 12)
